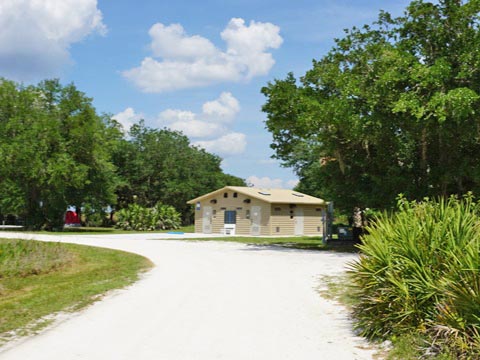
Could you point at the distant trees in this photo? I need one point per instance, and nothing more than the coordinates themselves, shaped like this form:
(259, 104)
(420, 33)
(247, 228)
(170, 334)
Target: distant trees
(393, 107)
(160, 165)
(55, 151)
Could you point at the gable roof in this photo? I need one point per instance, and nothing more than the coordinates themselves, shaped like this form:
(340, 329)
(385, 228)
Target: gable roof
(272, 196)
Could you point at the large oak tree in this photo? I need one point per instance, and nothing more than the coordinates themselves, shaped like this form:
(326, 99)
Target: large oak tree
(392, 108)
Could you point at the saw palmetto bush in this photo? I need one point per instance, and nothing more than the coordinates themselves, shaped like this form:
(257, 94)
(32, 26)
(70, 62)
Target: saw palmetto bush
(160, 217)
(420, 271)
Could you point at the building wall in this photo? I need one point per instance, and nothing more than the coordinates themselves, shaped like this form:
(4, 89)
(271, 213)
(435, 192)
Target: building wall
(243, 219)
(283, 219)
(276, 219)
(313, 224)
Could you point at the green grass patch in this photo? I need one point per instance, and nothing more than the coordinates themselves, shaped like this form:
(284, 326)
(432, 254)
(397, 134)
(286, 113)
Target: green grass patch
(29, 292)
(106, 230)
(339, 288)
(294, 242)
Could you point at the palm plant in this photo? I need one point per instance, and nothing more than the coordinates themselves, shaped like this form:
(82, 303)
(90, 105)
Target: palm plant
(420, 271)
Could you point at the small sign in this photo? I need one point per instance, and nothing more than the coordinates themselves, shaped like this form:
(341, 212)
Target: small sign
(198, 206)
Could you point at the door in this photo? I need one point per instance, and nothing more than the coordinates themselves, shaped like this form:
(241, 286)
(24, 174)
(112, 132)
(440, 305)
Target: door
(298, 221)
(256, 215)
(207, 220)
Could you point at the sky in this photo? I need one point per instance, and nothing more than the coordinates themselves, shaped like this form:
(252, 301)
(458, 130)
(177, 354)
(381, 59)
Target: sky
(192, 66)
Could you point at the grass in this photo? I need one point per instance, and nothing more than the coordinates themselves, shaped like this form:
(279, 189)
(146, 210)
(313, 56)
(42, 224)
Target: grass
(50, 285)
(338, 288)
(105, 230)
(295, 242)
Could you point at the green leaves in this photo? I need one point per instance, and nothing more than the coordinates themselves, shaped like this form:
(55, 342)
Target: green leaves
(160, 217)
(392, 107)
(54, 152)
(420, 271)
(162, 166)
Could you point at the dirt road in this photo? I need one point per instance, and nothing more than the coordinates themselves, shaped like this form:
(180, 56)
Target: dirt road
(205, 301)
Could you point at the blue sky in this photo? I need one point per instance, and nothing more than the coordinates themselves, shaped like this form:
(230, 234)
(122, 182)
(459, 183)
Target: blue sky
(195, 66)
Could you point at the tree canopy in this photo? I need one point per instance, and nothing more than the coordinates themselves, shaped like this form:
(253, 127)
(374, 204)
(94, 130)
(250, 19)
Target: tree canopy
(392, 108)
(51, 152)
(56, 151)
(161, 165)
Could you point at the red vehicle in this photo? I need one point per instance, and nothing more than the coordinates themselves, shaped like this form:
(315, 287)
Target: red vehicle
(72, 218)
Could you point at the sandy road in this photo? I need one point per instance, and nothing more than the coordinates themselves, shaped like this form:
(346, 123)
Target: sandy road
(205, 301)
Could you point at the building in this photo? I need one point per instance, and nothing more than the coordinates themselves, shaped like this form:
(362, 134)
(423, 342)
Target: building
(251, 211)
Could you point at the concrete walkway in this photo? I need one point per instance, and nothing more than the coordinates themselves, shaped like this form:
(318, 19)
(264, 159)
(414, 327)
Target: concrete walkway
(204, 301)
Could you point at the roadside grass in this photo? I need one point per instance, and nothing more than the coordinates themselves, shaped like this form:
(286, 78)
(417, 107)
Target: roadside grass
(104, 230)
(294, 242)
(60, 277)
(338, 288)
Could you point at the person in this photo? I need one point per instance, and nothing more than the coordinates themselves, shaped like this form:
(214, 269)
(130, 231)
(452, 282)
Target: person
(357, 224)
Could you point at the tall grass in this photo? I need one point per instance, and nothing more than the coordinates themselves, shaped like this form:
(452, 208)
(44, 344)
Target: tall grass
(24, 258)
(420, 272)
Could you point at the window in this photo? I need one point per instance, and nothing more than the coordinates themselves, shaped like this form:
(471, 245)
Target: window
(278, 209)
(277, 229)
(247, 214)
(318, 209)
(318, 228)
(230, 217)
(235, 195)
(225, 195)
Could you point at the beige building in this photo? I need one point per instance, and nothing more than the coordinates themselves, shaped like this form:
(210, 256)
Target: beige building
(251, 211)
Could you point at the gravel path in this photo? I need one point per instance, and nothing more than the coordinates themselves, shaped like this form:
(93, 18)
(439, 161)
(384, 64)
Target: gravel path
(205, 301)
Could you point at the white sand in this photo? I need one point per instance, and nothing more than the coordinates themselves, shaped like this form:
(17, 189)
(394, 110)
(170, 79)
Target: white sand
(205, 301)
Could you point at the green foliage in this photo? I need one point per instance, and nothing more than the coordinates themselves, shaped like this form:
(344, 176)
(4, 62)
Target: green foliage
(420, 271)
(393, 106)
(23, 258)
(57, 151)
(162, 166)
(54, 151)
(160, 217)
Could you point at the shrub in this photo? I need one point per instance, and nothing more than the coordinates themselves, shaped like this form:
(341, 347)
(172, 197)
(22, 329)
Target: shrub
(136, 217)
(419, 271)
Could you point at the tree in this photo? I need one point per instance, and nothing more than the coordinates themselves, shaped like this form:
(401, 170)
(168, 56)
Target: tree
(160, 165)
(393, 107)
(54, 153)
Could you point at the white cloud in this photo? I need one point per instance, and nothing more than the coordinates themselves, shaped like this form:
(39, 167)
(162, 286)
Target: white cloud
(171, 42)
(209, 129)
(213, 121)
(292, 183)
(181, 61)
(197, 128)
(36, 34)
(265, 182)
(224, 108)
(127, 118)
(227, 145)
(269, 183)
